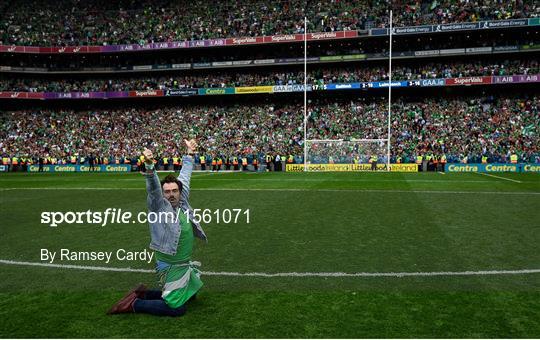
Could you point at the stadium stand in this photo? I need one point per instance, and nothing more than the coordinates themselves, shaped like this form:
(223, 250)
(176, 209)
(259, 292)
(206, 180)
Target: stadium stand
(319, 76)
(464, 125)
(70, 22)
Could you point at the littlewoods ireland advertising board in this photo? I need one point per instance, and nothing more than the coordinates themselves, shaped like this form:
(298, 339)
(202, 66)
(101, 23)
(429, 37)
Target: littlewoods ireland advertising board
(411, 167)
(351, 167)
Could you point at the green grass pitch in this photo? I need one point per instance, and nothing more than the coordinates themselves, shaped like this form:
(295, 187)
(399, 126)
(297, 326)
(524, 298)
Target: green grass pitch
(299, 223)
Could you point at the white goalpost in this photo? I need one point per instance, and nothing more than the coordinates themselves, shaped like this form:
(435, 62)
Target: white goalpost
(361, 152)
(305, 92)
(389, 92)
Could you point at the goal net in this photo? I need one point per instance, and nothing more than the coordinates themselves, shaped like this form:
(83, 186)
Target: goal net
(346, 155)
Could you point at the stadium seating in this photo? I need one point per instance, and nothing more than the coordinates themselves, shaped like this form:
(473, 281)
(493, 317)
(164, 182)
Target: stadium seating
(460, 127)
(319, 76)
(69, 22)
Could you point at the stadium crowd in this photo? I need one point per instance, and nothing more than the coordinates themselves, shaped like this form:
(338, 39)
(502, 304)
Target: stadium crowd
(375, 47)
(101, 22)
(320, 76)
(461, 129)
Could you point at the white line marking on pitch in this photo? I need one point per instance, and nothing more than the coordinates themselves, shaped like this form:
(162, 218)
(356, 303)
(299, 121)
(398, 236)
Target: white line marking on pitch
(490, 175)
(442, 173)
(306, 190)
(327, 180)
(290, 274)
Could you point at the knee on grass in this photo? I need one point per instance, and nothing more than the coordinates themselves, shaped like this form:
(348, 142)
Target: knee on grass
(178, 311)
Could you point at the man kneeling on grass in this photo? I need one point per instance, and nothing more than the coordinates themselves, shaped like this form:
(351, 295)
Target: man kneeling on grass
(172, 241)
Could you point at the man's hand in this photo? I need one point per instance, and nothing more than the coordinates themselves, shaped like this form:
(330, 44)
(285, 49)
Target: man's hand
(148, 156)
(191, 146)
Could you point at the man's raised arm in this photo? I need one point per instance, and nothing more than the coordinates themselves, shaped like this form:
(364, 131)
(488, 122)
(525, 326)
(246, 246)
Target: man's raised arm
(187, 168)
(153, 186)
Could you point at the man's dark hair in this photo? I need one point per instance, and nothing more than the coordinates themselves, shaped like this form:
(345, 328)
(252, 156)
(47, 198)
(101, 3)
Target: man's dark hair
(170, 178)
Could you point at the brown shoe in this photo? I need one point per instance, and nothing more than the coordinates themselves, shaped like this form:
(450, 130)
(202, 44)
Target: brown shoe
(125, 304)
